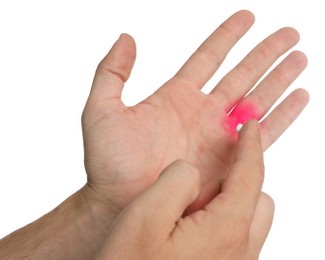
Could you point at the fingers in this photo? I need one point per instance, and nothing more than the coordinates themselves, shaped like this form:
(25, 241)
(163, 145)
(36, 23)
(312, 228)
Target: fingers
(273, 86)
(245, 180)
(145, 225)
(261, 225)
(163, 204)
(114, 70)
(206, 60)
(243, 77)
(282, 117)
(242, 187)
(263, 97)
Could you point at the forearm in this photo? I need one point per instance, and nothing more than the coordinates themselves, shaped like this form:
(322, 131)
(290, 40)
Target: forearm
(73, 230)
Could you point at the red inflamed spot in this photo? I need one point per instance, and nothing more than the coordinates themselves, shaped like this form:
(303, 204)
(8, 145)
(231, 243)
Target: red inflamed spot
(242, 113)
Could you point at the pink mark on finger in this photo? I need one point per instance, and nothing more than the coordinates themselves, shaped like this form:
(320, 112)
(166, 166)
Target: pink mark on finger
(242, 113)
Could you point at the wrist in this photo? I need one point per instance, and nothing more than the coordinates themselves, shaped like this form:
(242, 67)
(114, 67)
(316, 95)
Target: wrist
(99, 209)
(73, 230)
(77, 228)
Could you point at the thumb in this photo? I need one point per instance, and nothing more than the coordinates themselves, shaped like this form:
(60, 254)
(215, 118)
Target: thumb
(146, 223)
(114, 70)
(156, 211)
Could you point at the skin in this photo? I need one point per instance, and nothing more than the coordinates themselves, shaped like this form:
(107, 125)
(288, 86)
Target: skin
(232, 226)
(179, 121)
(126, 148)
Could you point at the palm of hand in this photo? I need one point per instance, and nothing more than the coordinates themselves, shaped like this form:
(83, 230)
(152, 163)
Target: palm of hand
(127, 148)
(132, 146)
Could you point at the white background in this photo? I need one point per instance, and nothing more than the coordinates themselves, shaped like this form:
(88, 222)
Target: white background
(48, 54)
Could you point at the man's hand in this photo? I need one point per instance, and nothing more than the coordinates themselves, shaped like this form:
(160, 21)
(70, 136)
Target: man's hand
(234, 225)
(126, 148)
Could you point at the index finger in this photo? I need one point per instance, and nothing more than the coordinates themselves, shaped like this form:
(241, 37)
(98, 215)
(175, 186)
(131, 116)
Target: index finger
(242, 188)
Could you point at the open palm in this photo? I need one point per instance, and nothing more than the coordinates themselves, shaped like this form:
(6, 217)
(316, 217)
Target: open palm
(126, 148)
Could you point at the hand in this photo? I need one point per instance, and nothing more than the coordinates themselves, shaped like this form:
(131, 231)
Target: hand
(234, 225)
(126, 148)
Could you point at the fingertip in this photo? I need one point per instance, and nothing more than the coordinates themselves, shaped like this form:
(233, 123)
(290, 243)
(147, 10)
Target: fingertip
(120, 59)
(291, 34)
(168, 198)
(114, 70)
(246, 17)
(300, 58)
(251, 126)
(184, 174)
(302, 95)
(125, 37)
(249, 14)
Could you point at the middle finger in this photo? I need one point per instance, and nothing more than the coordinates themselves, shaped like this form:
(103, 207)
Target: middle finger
(244, 76)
